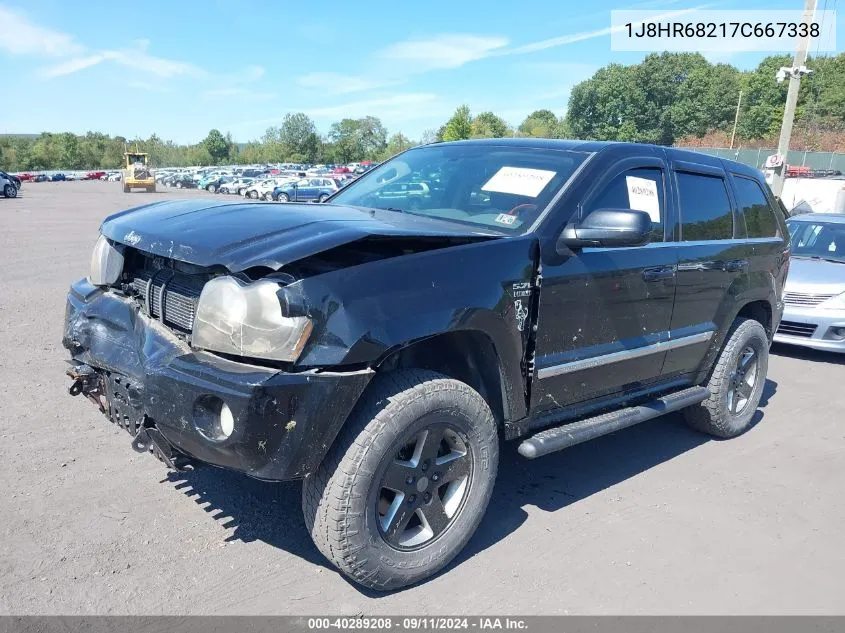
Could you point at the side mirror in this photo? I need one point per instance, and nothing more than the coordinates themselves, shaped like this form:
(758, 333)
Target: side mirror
(608, 227)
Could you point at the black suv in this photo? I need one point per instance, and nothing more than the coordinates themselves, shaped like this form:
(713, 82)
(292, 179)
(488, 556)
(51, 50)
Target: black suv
(546, 291)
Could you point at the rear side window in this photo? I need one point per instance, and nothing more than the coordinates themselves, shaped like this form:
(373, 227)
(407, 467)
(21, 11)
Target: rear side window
(754, 206)
(705, 208)
(640, 189)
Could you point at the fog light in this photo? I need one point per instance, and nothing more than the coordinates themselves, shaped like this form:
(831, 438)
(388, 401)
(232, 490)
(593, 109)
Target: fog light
(227, 420)
(213, 418)
(837, 333)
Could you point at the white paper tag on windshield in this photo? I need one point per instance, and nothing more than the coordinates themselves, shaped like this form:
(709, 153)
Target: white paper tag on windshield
(519, 181)
(642, 196)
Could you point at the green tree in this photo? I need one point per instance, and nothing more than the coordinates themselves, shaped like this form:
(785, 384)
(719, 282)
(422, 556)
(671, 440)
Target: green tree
(607, 106)
(488, 125)
(459, 127)
(345, 136)
(541, 124)
(298, 138)
(373, 137)
(216, 146)
(395, 144)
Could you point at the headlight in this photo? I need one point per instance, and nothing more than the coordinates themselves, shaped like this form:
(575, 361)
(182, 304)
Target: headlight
(247, 320)
(106, 263)
(834, 303)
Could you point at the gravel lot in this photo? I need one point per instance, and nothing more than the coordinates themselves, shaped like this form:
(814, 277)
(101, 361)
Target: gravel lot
(656, 519)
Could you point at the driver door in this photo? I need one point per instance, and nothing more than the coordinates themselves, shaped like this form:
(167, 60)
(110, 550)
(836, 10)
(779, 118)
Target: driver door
(603, 310)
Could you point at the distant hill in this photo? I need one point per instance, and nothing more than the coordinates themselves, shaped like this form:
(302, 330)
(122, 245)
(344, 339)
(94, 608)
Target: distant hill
(19, 135)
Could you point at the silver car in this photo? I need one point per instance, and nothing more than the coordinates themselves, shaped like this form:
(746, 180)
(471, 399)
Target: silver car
(814, 296)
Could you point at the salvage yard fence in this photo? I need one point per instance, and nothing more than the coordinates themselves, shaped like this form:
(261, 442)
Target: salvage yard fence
(757, 157)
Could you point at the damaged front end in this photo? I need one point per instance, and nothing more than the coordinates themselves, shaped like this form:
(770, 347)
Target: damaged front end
(184, 404)
(247, 346)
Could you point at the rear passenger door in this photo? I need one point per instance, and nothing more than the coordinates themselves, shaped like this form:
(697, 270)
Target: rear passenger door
(713, 261)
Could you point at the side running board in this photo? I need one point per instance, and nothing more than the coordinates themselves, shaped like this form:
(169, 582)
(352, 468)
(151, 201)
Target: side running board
(560, 437)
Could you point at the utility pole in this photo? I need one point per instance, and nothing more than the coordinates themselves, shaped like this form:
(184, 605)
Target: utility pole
(736, 118)
(792, 97)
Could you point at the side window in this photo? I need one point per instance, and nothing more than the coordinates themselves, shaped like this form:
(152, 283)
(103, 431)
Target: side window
(640, 189)
(754, 206)
(705, 208)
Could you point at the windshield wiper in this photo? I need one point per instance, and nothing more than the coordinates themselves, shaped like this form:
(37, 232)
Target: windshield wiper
(394, 209)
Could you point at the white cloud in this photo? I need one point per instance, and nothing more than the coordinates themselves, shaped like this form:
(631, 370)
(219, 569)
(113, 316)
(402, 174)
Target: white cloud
(335, 83)
(132, 58)
(584, 35)
(442, 51)
(71, 66)
(19, 36)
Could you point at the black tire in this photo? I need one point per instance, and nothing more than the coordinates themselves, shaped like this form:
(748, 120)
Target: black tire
(211, 189)
(253, 195)
(283, 197)
(125, 189)
(727, 413)
(341, 499)
(178, 185)
(323, 197)
(10, 191)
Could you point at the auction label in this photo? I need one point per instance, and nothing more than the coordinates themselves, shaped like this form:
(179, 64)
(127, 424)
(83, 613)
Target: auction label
(519, 181)
(701, 30)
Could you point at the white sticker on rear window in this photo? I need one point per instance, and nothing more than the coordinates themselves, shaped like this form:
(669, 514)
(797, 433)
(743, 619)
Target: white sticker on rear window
(642, 196)
(519, 181)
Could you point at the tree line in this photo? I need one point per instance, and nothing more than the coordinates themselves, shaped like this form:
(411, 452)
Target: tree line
(668, 98)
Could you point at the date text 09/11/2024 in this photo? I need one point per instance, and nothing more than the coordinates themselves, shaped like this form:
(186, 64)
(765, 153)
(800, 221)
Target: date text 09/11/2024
(422, 623)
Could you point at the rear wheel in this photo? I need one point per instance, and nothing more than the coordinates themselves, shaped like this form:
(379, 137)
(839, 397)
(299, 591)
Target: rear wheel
(211, 188)
(407, 481)
(253, 195)
(736, 384)
(10, 191)
(125, 188)
(323, 197)
(178, 185)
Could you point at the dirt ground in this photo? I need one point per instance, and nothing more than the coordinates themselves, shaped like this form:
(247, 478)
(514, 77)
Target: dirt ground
(653, 520)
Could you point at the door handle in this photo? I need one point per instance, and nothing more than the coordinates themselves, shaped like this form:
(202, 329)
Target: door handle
(736, 265)
(659, 273)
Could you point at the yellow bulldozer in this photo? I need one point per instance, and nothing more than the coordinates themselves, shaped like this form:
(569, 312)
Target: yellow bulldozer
(137, 173)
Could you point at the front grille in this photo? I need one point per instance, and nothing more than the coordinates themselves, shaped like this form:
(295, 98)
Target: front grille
(804, 299)
(179, 293)
(792, 328)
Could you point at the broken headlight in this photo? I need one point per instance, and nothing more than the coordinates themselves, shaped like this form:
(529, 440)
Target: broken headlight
(106, 263)
(234, 317)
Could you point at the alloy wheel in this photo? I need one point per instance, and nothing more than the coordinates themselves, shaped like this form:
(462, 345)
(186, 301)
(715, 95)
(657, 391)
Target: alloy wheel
(423, 487)
(743, 380)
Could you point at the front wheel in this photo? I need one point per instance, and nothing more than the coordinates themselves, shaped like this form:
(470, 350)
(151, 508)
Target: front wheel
(211, 189)
(283, 197)
(407, 481)
(10, 191)
(736, 384)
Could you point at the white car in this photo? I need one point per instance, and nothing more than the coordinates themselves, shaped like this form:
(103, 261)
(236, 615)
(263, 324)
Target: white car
(263, 189)
(238, 186)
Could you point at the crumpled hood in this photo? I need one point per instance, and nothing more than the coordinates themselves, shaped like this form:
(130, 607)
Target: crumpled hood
(242, 235)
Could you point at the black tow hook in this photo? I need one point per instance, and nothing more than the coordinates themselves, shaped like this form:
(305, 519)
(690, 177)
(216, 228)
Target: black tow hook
(150, 438)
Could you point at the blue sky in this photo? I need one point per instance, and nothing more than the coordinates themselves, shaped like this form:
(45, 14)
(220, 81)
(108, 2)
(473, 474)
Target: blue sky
(179, 68)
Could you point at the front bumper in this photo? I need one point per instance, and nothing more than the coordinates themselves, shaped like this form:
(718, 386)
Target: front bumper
(812, 327)
(144, 376)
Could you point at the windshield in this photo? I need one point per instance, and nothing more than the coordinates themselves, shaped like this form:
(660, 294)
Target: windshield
(500, 187)
(824, 240)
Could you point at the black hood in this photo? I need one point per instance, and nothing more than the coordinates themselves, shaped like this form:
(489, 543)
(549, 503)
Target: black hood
(242, 235)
